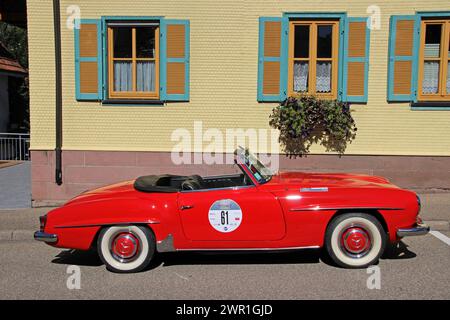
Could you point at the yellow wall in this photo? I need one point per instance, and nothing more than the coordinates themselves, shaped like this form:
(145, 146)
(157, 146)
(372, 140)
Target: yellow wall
(223, 71)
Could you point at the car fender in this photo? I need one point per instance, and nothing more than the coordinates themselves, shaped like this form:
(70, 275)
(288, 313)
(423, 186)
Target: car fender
(77, 224)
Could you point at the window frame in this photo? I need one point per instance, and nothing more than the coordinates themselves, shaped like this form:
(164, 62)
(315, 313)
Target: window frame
(313, 59)
(444, 60)
(132, 95)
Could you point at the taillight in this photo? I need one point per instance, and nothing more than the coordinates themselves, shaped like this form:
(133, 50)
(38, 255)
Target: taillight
(418, 220)
(419, 203)
(42, 222)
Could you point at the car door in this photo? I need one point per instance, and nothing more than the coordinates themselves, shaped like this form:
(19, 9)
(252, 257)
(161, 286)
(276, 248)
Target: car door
(231, 214)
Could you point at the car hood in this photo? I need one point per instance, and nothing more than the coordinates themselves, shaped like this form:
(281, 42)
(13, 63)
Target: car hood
(330, 180)
(124, 189)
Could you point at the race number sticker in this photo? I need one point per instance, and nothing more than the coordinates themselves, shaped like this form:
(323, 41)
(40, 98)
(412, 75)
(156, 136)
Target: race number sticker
(225, 215)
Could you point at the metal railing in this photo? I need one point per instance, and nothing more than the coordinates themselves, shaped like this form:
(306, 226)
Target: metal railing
(15, 146)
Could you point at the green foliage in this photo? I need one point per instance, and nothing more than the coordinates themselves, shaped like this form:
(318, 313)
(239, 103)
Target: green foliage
(305, 120)
(15, 40)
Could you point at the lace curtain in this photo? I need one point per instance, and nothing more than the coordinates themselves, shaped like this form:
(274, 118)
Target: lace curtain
(145, 76)
(301, 76)
(123, 76)
(323, 78)
(430, 81)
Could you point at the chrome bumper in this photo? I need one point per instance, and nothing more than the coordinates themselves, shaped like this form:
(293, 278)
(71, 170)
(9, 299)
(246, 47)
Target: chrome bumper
(417, 230)
(45, 237)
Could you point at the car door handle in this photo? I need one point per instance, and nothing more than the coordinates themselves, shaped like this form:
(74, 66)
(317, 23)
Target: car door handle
(186, 207)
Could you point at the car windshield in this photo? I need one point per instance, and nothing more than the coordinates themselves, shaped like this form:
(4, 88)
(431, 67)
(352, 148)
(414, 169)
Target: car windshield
(248, 159)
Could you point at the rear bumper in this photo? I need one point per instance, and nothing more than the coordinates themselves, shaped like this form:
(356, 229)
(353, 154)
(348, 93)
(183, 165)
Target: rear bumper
(45, 237)
(417, 230)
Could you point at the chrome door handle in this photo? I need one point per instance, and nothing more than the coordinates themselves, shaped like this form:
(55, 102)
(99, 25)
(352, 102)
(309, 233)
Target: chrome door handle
(186, 207)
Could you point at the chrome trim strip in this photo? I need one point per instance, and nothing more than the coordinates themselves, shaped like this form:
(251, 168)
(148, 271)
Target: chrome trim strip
(107, 224)
(250, 249)
(214, 189)
(45, 237)
(166, 245)
(417, 230)
(222, 176)
(341, 208)
(314, 189)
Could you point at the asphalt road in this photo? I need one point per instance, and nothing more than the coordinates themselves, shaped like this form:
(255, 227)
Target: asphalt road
(418, 270)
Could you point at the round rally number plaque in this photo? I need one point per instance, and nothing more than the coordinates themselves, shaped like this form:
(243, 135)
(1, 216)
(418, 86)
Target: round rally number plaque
(225, 215)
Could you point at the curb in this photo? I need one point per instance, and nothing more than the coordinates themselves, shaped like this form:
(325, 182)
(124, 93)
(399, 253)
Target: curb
(22, 235)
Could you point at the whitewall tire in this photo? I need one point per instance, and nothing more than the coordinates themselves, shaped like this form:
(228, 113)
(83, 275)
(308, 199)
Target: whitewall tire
(126, 248)
(355, 240)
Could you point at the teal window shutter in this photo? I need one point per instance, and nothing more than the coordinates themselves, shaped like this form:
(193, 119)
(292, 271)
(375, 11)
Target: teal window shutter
(174, 60)
(88, 60)
(272, 58)
(403, 58)
(356, 60)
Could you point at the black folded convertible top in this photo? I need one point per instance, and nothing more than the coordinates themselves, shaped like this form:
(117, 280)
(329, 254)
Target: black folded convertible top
(157, 183)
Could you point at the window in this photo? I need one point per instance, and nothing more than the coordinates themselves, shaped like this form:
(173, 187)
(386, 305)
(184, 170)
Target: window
(324, 54)
(133, 61)
(142, 60)
(434, 61)
(313, 52)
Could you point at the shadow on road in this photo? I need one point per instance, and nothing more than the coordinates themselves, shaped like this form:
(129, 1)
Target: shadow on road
(78, 257)
(398, 251)
(221, 258)
(305, 256)
(90, 258)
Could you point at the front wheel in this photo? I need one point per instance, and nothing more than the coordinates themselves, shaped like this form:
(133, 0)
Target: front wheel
(126, 249)
(355, 240)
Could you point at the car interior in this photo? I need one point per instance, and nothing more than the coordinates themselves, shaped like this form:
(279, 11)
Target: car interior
(176, 183)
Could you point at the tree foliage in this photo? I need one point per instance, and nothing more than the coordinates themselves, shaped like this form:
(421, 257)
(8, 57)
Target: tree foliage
(15, 40)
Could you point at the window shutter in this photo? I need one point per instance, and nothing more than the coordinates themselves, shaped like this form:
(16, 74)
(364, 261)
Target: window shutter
(403, 50)
(88, 60)
(174, 60)
(272, 58)
(356, 60)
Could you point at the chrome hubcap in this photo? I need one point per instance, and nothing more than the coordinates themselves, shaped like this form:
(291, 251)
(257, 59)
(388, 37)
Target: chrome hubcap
(355, 241)
(125, 247)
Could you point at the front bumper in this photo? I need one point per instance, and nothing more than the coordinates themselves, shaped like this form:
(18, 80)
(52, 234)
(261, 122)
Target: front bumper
(45, 237)
(417, 230)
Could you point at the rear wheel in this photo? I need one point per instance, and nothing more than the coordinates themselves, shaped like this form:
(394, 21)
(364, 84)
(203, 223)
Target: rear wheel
(355, 240)
(126, 248)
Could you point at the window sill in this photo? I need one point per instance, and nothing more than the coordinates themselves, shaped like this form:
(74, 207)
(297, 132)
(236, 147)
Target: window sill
(431, 106)
(133, 102)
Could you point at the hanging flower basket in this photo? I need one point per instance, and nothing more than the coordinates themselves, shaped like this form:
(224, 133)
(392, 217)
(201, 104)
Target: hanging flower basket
(305, 120)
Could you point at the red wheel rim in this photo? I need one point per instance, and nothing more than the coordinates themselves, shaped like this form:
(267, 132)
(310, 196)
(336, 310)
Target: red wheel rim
(124, 246)
(355, 241)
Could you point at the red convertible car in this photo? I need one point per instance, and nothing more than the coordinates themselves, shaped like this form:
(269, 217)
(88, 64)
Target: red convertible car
(353, 217)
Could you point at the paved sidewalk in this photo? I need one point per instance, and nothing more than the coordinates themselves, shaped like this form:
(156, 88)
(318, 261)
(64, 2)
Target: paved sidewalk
(19, 224)
(15, 186)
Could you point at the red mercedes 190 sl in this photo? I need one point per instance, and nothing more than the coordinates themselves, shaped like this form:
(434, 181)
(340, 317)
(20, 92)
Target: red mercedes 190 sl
(353, 217)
